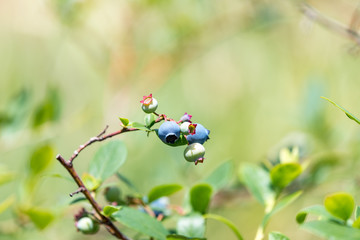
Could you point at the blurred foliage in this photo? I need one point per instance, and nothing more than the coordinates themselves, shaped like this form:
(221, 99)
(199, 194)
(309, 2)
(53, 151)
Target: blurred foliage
(252, 71)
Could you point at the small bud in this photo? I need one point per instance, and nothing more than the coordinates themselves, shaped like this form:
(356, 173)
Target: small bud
(87, 225)
(194, 153)
(149, 104)
(186, 118)
(113, 194)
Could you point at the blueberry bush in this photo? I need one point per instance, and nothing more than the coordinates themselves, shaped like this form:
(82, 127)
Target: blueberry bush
(264, 157)
(142, 213)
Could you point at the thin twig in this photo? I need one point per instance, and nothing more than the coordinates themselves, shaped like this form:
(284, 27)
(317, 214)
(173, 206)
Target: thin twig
(70, 168)
(329, 23)
(79, 190)
(355, 19)
(98, 138)
(103, 219)
(103, 132)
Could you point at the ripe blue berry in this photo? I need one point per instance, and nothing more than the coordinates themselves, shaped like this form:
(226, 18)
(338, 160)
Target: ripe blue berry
(194, 153)
(87, 226)
(201, 135)
(160, 206)
(169, 132)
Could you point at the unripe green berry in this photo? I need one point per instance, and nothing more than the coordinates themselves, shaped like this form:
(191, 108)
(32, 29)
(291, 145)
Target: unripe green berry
(87, 226)
(149, 104)
(112, 194)
(184, 128)
(194, 153)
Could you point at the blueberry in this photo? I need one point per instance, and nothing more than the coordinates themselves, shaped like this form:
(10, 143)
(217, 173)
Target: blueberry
(160, 206)
(194, 153)
(201, 135)
(87, 225)
(169, 132)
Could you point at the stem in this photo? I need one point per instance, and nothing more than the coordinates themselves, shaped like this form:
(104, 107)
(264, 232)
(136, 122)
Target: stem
(70, 168)
(230, 224)
(104, 220)
(330, 24)
(82, 188)
(99, 138)
(259, 233)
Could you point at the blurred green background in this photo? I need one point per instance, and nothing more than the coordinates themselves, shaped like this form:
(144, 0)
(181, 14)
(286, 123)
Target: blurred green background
(250, 71)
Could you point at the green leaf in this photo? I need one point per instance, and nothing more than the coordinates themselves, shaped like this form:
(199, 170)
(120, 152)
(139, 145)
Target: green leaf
(356, 223)
(6, 177)
(283, 174)
(285, 201)
(139, 126)
(357, 212)
(16, 112)
(76, 200)
(124, 121)
(277, 236)
(340, 205)
(149, 120)
(227, 222)
(108, 159)
(317, 210)
(126, 181)
(56, 175)
(180, 142)
(48, 110)
(141, 222)
(348, 114)
(108, 210)
(191, 226)
(221, 175)
(40, 217)
(163, 190)
(258, 182)
(6, 203)
(181, 237)
(90, 181)
(331, 230)
(40, 159)
(200, 195)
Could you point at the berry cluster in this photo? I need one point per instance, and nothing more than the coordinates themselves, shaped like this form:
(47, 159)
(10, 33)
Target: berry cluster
(177, 133)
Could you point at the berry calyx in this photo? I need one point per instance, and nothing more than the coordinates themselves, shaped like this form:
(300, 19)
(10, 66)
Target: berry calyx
(149, 104)
(201, 134)
(187, 128)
